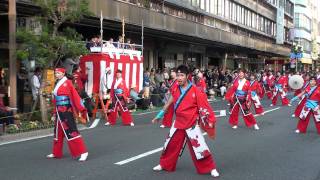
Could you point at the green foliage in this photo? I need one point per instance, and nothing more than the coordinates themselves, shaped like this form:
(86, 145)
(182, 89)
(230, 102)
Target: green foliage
(46, 49)
(50, 45)
(60, 11)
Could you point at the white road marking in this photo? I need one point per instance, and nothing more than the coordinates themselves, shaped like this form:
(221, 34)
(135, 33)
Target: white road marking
(139, 156)
(95, 123)
(160, 148)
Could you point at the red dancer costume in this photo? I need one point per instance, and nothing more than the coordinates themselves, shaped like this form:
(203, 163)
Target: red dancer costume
(119, 97)
(280, 88)
(200, 82)
(168, 116)
(67, 102)
(263, 85)
(255, 90)
(239, 94)
(191, 108)
(311, 108)
(270, 85)
(302, 101)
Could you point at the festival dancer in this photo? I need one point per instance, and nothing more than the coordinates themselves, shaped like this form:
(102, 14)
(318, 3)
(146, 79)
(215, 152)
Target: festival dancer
(255, 90)
(173, 85)
(67, 102)
(311, 107)
(302, 97)
(192, 112)
(270, 85)
(280, 88)
(119, 95)
(239, 94)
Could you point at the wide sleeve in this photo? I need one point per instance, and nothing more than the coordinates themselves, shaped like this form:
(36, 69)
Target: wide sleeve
(204, 107)
(230, 92)
(75, 98)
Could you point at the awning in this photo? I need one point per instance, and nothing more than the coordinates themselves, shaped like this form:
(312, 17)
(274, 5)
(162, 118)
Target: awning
(306, 60)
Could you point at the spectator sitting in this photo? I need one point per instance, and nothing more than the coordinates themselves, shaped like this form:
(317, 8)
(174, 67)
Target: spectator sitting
(5, 111)
(133, 93)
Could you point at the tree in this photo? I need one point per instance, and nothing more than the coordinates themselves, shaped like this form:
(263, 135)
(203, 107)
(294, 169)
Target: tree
(61, 11)
(49, 46)
(47, 50)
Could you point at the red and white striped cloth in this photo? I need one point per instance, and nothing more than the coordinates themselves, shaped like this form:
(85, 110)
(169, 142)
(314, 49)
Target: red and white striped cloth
(95, 64)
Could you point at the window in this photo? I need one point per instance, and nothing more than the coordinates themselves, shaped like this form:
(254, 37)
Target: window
(213, 8)
(249, 19)
(243, 15)
(253, 20)
(261, 24)
(221, 7)
(234, 12)
(202, 4)
(238, 13)
(289, 7)
(304, 43)
(302, 21)
(196, 3)
(208, 6)
(258, 22)
(227, 9)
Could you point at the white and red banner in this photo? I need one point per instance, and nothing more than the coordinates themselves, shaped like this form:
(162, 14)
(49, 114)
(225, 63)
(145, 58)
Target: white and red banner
(94, 66)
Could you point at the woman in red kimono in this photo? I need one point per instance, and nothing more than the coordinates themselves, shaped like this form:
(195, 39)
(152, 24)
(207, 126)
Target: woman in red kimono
(311, 107)
(168, 116)
(239, 94)
(280, 89)
(270, 85)
(200, 82)
(192, 112)
(256, 89)
(66, 103)
(119, 97)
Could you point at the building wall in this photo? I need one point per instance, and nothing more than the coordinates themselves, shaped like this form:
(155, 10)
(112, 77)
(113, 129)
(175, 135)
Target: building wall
(306, 29)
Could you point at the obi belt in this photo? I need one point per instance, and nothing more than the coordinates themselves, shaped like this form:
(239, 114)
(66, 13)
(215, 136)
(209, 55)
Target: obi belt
(278, 86)
(253, 93)
(241, 94)
(62, 101)
(118, 91)
(311, 103)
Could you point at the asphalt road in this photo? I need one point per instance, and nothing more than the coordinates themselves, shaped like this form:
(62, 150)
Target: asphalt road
(273, 152)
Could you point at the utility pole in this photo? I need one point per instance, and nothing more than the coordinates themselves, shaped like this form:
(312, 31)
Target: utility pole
(12, 15)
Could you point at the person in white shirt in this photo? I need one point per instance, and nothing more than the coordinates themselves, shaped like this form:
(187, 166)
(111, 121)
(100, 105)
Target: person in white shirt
(36, 83)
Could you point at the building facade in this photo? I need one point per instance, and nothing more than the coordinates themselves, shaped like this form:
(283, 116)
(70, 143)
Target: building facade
(204, 33)
(306, 31)
(208, 33)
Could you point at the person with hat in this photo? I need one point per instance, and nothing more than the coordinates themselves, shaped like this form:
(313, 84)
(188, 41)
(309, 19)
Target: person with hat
(119, 95)
(192, 113)
(67, 102)
(239, 95)
(311, 106)
(301, 96)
